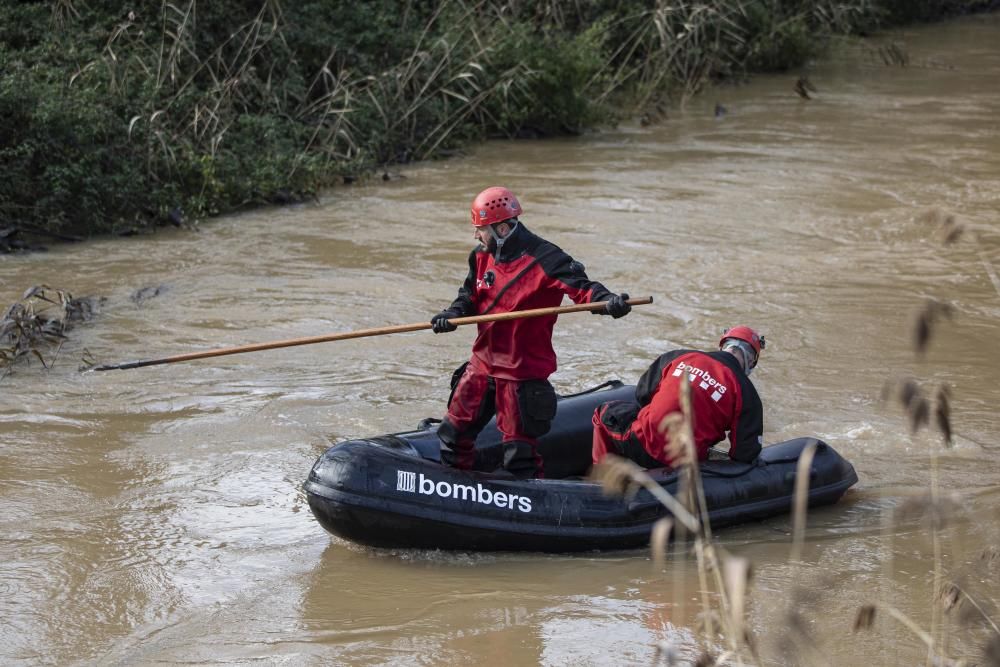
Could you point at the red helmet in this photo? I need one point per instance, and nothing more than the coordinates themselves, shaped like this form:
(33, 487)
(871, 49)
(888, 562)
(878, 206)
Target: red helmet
(494, 205)
(748, 335)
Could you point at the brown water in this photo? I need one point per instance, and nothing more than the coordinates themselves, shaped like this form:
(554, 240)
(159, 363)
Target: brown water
(155, 516)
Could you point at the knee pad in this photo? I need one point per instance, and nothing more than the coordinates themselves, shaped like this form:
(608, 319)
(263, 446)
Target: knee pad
(537, 406)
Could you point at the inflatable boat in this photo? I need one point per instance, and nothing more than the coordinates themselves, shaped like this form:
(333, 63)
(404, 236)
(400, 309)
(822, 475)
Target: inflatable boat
(393, 490)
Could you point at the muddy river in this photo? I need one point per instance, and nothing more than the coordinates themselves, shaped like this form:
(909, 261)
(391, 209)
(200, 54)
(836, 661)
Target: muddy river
(155, 516)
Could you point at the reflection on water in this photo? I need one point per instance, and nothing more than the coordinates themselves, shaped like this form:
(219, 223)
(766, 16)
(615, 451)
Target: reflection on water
(155, 515)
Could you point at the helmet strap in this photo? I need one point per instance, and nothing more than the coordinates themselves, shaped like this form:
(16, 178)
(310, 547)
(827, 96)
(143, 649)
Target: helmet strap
(500, 240)
(745, 353)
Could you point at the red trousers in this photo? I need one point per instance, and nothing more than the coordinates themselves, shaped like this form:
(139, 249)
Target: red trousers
(477, 397)
(613, 434)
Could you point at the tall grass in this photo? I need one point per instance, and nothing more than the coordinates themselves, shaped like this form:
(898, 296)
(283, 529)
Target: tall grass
(113, 122)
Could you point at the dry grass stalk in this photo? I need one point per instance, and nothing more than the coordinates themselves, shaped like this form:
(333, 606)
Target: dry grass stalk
(991, 652)
(946, 228)
(988, 267)
(693, 491)
(619, 476)
(680, 449)
(919, 409)
(676, 448)
(708, 614)
(736, 574)
(934, 507)
(659, 539)
(801, 501)
(950, 230)
(942, 413)
(797, 643)
(926, 322)
(706, 659)
(935, 510)
(954, 598)
(865, 619)
(666, 655)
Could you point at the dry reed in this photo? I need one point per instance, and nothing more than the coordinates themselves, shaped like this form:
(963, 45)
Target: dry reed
(935, 508)
(36, 325)
(727, 577)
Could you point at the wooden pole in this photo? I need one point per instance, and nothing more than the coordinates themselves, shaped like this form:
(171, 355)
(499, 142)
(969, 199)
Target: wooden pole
(362, 333)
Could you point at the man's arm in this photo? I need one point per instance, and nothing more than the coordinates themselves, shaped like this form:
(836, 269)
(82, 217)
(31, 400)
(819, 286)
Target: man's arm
(462, 305)
(570, 275)
(746, 438)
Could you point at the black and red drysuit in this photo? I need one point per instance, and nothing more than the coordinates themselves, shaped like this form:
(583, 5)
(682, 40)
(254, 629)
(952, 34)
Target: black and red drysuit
(722, 399)
(511, 360)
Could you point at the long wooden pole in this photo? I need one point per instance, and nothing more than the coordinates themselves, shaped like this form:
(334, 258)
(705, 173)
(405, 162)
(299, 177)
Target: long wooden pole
(361, 333)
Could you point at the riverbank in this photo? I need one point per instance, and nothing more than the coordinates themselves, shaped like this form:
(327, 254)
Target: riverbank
(114, 124)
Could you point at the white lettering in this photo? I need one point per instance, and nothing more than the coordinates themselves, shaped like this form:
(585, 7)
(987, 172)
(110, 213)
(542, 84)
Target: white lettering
(485, 496)
(707, 381)
(426, 485)
(412, 483)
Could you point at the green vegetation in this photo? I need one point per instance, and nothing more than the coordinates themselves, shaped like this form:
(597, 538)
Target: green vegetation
(114, 120)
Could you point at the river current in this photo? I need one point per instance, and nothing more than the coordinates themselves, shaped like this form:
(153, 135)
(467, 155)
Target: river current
(155, 516)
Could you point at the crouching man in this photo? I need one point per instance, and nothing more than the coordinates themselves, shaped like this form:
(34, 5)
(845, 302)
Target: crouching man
(722, 399)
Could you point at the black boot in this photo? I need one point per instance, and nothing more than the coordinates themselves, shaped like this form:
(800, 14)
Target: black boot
(521, 460)
(448, 456)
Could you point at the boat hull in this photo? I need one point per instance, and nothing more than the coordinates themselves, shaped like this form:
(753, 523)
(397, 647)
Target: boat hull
(390, 491)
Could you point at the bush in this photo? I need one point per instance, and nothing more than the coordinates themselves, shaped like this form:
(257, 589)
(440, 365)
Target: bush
(113, 121)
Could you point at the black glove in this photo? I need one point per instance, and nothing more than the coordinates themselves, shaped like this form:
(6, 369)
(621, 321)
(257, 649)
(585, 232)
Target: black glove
(616, 306)
(441, 323)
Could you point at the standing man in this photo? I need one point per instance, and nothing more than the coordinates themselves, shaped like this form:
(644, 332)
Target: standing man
(511, 269)
(722, 399)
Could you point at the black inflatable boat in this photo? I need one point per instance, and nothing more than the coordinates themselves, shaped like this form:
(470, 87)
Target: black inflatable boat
(393, 491)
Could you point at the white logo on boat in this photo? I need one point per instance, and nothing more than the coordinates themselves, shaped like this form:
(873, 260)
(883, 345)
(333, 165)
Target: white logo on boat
(409, 482)
(707, 381)
(406, 481)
